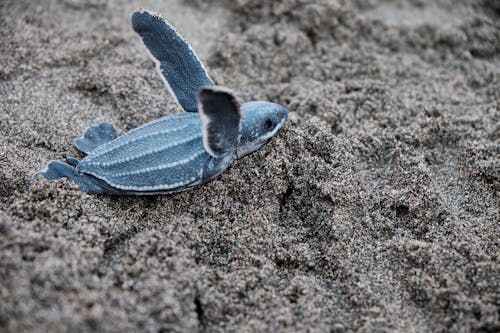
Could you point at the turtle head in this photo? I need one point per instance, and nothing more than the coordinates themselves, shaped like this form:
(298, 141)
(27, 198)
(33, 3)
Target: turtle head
(261, 120)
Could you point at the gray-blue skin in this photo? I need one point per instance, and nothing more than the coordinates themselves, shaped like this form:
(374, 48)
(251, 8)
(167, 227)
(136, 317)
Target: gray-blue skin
(178, 152)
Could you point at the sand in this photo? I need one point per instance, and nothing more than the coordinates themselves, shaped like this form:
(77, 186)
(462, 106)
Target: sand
(375, 208)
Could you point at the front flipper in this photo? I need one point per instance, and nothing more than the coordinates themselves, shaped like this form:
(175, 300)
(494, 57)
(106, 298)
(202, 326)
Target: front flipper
(94, 136)
(221, 115)
(57, 169)
(180, 68)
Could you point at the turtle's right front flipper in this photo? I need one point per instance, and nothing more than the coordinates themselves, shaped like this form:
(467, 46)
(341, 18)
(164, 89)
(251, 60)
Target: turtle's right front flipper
(180, 68)
(221, 117)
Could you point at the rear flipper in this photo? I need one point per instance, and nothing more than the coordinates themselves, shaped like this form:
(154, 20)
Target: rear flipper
(94, 136)
(57, 169)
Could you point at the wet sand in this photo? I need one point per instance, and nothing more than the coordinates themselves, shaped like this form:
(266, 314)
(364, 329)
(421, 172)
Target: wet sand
(375, 208)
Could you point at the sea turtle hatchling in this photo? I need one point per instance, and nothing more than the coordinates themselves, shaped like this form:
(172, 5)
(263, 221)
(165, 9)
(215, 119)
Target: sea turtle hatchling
(178, 152)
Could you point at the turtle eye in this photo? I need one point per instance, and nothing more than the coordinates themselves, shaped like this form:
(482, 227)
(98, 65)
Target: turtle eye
(268, 124)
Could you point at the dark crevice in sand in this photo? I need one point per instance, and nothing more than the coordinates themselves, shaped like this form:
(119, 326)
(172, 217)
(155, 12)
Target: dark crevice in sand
(200, 313)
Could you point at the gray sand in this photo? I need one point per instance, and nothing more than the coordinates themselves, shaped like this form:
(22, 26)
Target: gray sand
(375, 209)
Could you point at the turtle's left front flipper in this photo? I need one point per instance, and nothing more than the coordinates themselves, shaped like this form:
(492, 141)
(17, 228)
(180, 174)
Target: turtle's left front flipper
(95, 136)
(180, 68)
(221, 117)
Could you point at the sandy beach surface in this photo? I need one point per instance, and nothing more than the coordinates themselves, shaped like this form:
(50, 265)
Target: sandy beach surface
(375, 208)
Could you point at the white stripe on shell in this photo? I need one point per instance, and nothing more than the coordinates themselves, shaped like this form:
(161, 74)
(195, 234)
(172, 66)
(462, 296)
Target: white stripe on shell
(126, 142)
(145, 153)
(152, 188)
(162, 166)
(176, 116)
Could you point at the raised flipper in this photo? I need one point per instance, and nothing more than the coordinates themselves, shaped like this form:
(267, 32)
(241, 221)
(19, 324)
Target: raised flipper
(221, 116)
(178, 65)
(94, 136)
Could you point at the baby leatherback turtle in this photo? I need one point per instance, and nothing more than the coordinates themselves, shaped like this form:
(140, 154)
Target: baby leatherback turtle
(178, 152)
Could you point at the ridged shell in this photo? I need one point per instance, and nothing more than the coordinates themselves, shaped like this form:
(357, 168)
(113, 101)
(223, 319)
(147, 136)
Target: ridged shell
(162, 155)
